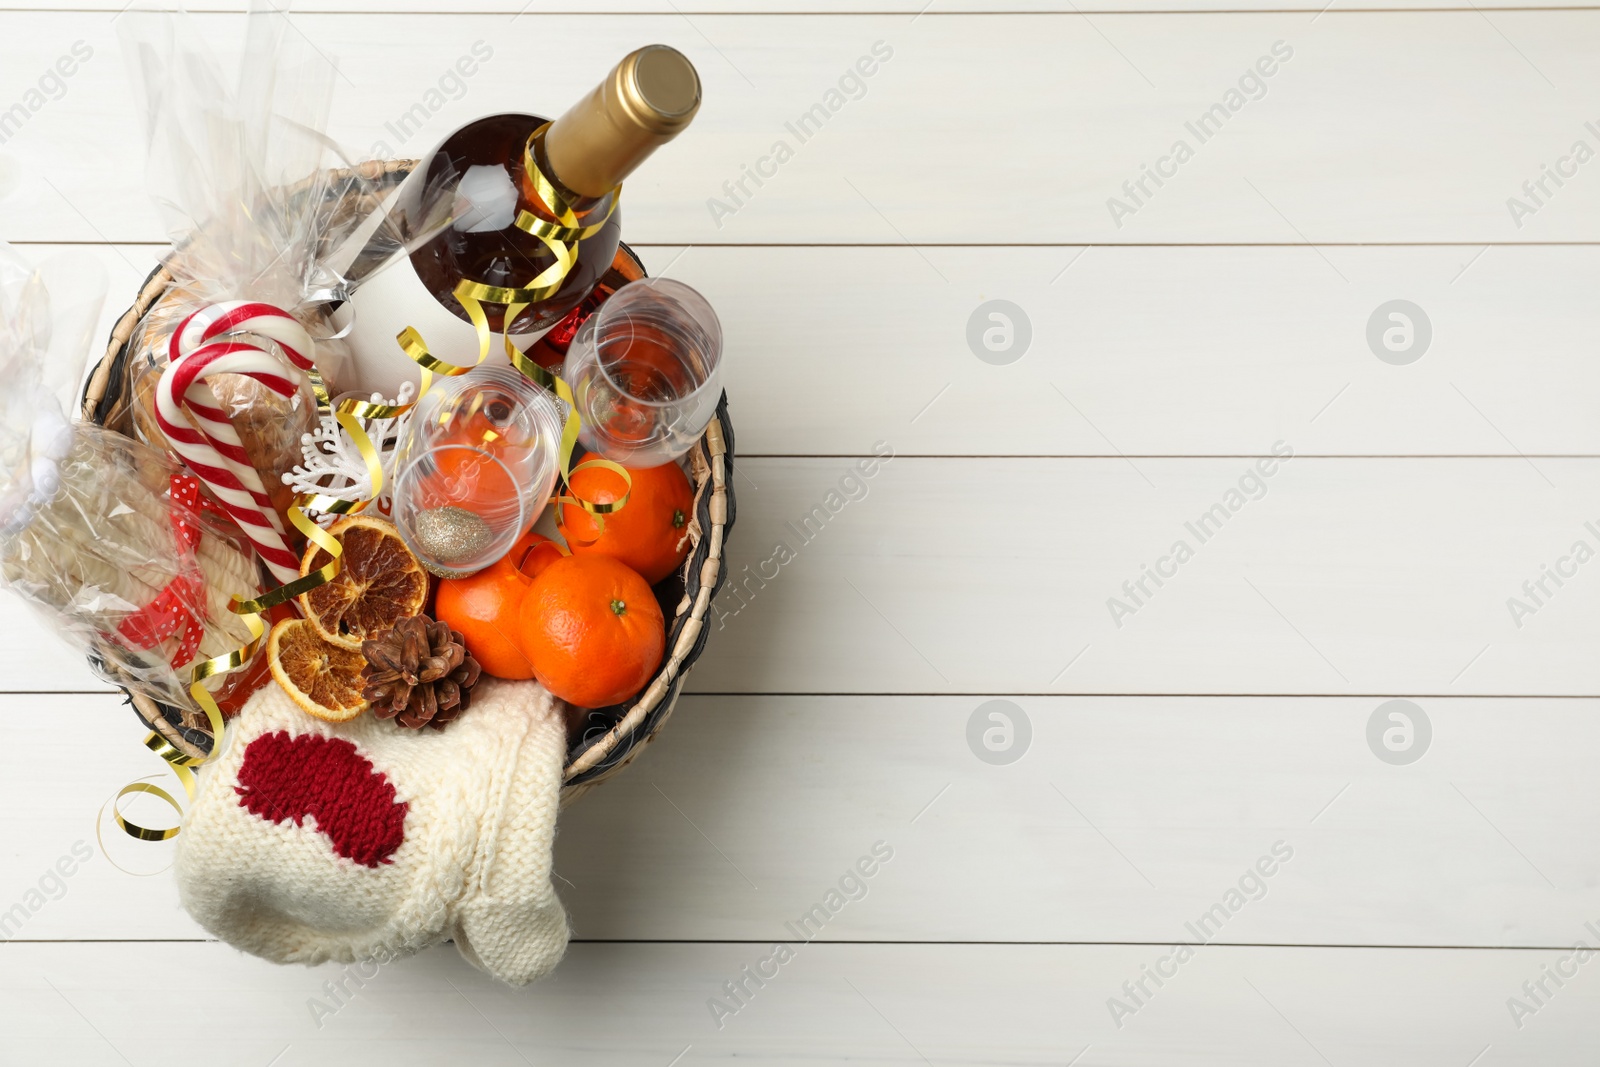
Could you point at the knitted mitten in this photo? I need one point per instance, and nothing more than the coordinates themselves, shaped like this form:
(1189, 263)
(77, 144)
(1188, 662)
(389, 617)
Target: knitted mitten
(311, 841)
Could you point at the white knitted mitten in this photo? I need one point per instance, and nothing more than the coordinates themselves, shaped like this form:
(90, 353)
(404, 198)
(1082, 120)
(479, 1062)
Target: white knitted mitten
(311, 841)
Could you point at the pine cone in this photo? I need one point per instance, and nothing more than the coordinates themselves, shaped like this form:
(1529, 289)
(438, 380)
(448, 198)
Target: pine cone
(419, 674)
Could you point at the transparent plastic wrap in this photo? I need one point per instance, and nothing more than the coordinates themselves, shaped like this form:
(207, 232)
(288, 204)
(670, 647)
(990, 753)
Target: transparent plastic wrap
(100, 533)
(253, 194)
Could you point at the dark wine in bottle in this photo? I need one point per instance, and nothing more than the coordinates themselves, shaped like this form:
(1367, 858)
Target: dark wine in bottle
(511, 210)
(492, 250)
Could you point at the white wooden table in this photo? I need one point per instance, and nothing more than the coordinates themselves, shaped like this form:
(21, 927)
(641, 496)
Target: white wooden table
(1174, 743)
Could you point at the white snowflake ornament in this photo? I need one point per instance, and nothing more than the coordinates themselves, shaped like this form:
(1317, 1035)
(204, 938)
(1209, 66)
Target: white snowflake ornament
(333, 464)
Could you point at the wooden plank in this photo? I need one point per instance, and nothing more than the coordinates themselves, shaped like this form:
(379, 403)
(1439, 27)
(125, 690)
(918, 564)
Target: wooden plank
(1123, 820)
(938, 9)
(1354, 576)
(1113, 367)
(1157, 351)
(1346, 576)
(1071, 109)
(877, 1005)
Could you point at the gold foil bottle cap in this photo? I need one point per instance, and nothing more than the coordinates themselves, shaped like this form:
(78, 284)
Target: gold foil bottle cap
(647, 100)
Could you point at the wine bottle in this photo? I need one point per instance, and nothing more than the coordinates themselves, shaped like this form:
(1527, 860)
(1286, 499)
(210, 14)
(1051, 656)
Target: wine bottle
(512, 211)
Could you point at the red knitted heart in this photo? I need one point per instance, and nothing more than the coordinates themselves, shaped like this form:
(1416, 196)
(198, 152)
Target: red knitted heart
(286, 778)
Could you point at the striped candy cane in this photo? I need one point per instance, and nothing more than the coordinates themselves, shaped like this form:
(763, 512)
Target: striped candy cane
(210, 446)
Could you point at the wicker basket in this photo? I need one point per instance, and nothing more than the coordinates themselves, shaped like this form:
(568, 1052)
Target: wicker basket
(610, 737)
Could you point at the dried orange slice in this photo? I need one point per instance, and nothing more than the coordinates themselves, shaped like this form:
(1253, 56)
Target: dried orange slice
(324, 679)
(379, 583)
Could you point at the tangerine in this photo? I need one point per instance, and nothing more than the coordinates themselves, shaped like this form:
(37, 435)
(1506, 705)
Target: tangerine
(533, 553)
(485, 607)
(651, 531)
(592, 629)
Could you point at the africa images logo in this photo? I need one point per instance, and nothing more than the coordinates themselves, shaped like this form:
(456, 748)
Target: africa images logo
(851, 886)
(1248, 887)
(1252, 85)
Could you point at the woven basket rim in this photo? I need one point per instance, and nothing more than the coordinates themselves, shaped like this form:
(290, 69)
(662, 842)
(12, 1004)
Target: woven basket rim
(703, 572)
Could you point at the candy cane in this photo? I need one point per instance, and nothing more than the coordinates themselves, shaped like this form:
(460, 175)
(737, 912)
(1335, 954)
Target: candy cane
(244, 316)
(211, 447)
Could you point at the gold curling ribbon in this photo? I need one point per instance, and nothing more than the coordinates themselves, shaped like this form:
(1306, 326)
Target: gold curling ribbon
(569, 440)
(285, 593)
(179, 763)
(348, 412)
(561, 237)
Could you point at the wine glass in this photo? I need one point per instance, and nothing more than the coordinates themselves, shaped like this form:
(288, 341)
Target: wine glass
(475, 467)
(645, 371)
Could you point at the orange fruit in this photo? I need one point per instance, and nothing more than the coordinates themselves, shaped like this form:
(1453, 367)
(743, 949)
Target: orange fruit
(533, 553)
(650, 533)
(593, 630)
(379, 583)
(323, 678)
(485, 608)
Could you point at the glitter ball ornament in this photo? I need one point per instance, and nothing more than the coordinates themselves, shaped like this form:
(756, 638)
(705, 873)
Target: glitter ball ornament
(450, 535)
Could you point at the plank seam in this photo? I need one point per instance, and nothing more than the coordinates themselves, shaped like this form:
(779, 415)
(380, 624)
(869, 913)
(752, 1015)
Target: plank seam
(1362, 947)
(968, 13)
(1064, 694)
(77, 242)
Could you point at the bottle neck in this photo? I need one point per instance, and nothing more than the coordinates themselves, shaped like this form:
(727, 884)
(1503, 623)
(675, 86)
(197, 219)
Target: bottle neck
(646, 101)
(580, 203)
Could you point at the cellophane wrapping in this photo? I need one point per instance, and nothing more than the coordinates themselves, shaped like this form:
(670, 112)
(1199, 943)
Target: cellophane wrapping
(91, 531)
(254, 195)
